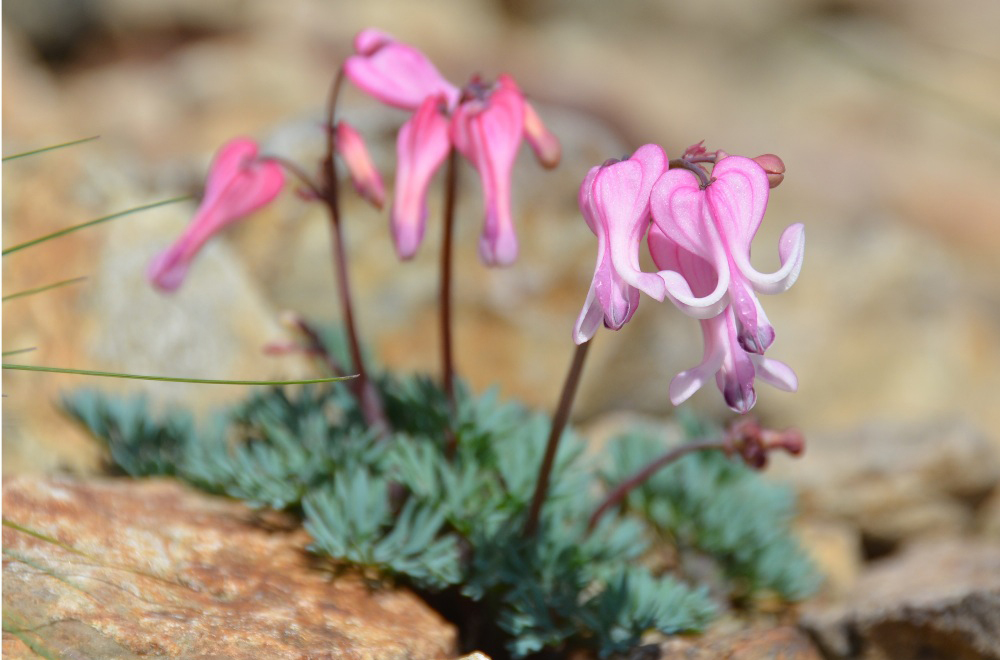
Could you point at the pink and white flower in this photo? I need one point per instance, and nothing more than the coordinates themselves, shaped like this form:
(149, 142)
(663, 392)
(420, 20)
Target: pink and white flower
(734, 368)
(486, 123)
(717, 223)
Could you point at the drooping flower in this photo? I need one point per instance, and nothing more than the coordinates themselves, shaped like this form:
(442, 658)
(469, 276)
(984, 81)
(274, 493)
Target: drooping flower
(364, 176)
(734, 368)
(717, 223)
(485, 123)
(238, 184)
(614, 200)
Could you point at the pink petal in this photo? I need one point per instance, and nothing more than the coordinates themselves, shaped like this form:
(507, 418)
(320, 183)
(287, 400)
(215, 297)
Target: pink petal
(364, 176)
(395, 73)
(791, 250)
(621, 197)
(775, 373)
(421, 147)
(737, 199)
(692, 283)
(488, 133)
(237, 186)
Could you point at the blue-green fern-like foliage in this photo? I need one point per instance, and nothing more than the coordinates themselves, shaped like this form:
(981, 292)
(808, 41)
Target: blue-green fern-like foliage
(440, 505)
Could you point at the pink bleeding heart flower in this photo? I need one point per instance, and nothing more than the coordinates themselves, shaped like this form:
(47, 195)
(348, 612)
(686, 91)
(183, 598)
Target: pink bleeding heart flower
(238, 184)
(734, 368)
(717, 223)
(364, 176)
(614, 200)
(486, 123)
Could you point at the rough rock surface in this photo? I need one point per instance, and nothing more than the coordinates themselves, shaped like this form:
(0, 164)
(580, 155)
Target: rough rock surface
(149, 568)
(938, 600)
(756, 643)
(897, 481)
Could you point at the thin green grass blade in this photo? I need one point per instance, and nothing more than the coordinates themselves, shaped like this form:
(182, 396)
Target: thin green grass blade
(54, 146)
(41, 537)
(18, 351)
(168, 379)
(67, 230)
(29, 292)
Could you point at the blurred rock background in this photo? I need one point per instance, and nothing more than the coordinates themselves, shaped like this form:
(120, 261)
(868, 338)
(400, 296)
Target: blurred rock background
(886, 113)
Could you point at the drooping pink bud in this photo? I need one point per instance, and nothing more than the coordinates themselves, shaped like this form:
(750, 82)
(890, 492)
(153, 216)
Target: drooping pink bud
(546, 146)
(774, 167)
(366, 179)
(238, 184)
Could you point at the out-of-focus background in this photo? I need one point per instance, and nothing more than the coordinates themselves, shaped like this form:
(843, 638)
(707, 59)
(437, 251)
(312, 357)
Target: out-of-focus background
(886, 113)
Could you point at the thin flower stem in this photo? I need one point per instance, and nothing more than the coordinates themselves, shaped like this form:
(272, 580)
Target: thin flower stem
(316, 346)
(368, 397)
(558, 425)
(299, 173)
(691, 165)
(447, 360)
(637, 479)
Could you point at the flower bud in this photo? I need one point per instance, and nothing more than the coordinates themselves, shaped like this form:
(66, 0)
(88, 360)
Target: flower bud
(774, 167)
(365, 178)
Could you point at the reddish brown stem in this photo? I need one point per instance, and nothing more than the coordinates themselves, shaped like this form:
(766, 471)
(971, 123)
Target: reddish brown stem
(555, 434)
(448, 230)
(640, 477)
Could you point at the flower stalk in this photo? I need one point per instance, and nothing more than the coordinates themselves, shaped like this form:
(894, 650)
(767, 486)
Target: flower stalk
(555, 434)
(448, 231)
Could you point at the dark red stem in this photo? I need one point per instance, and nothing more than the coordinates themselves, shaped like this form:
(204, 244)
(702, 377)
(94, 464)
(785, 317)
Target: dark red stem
(555, 434)
(447, 359)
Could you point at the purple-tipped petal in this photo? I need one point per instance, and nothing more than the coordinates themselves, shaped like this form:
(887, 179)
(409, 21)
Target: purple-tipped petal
(421, 147)
(395, 73)
(364, 176)
(488, 133)
(237, 186)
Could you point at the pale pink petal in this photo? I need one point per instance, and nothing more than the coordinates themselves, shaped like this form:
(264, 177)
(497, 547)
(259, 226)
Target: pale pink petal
(621, 196)
(791, 250)
(589, 320)
(237, 186)
(775, 373)
(686, 383)
(488, 133)
(421, 147)
(395, 73)
(364, 176)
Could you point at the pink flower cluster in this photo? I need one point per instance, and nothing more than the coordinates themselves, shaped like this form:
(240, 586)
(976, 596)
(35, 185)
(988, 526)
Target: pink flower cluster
(698, 232)
(484, 122)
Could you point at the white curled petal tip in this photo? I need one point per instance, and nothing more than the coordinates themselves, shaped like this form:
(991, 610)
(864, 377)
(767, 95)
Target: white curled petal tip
(791, 249)
(589, 320)
(775, 373)
(686, 383)
(679, 292)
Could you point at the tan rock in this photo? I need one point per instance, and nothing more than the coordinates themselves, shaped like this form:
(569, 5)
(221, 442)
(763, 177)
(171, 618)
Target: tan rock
(939, 599)
(123, 568)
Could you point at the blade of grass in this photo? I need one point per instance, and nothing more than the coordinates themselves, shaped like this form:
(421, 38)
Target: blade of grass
(54, 146)
(18, 351)
(67, 230)
(169, 379)
(28, 292)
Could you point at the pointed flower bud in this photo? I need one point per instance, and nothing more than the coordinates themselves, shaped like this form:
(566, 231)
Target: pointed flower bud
(364, 176)
(238, 184)
(546, 146)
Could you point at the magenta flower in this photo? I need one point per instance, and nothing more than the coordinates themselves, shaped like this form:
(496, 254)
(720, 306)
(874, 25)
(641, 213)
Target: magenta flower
(485, 123)
(734, 368)
(238, 184)
(717, 223)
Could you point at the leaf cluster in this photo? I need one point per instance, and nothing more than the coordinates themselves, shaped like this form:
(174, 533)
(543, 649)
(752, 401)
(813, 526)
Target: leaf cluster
(440, 505)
